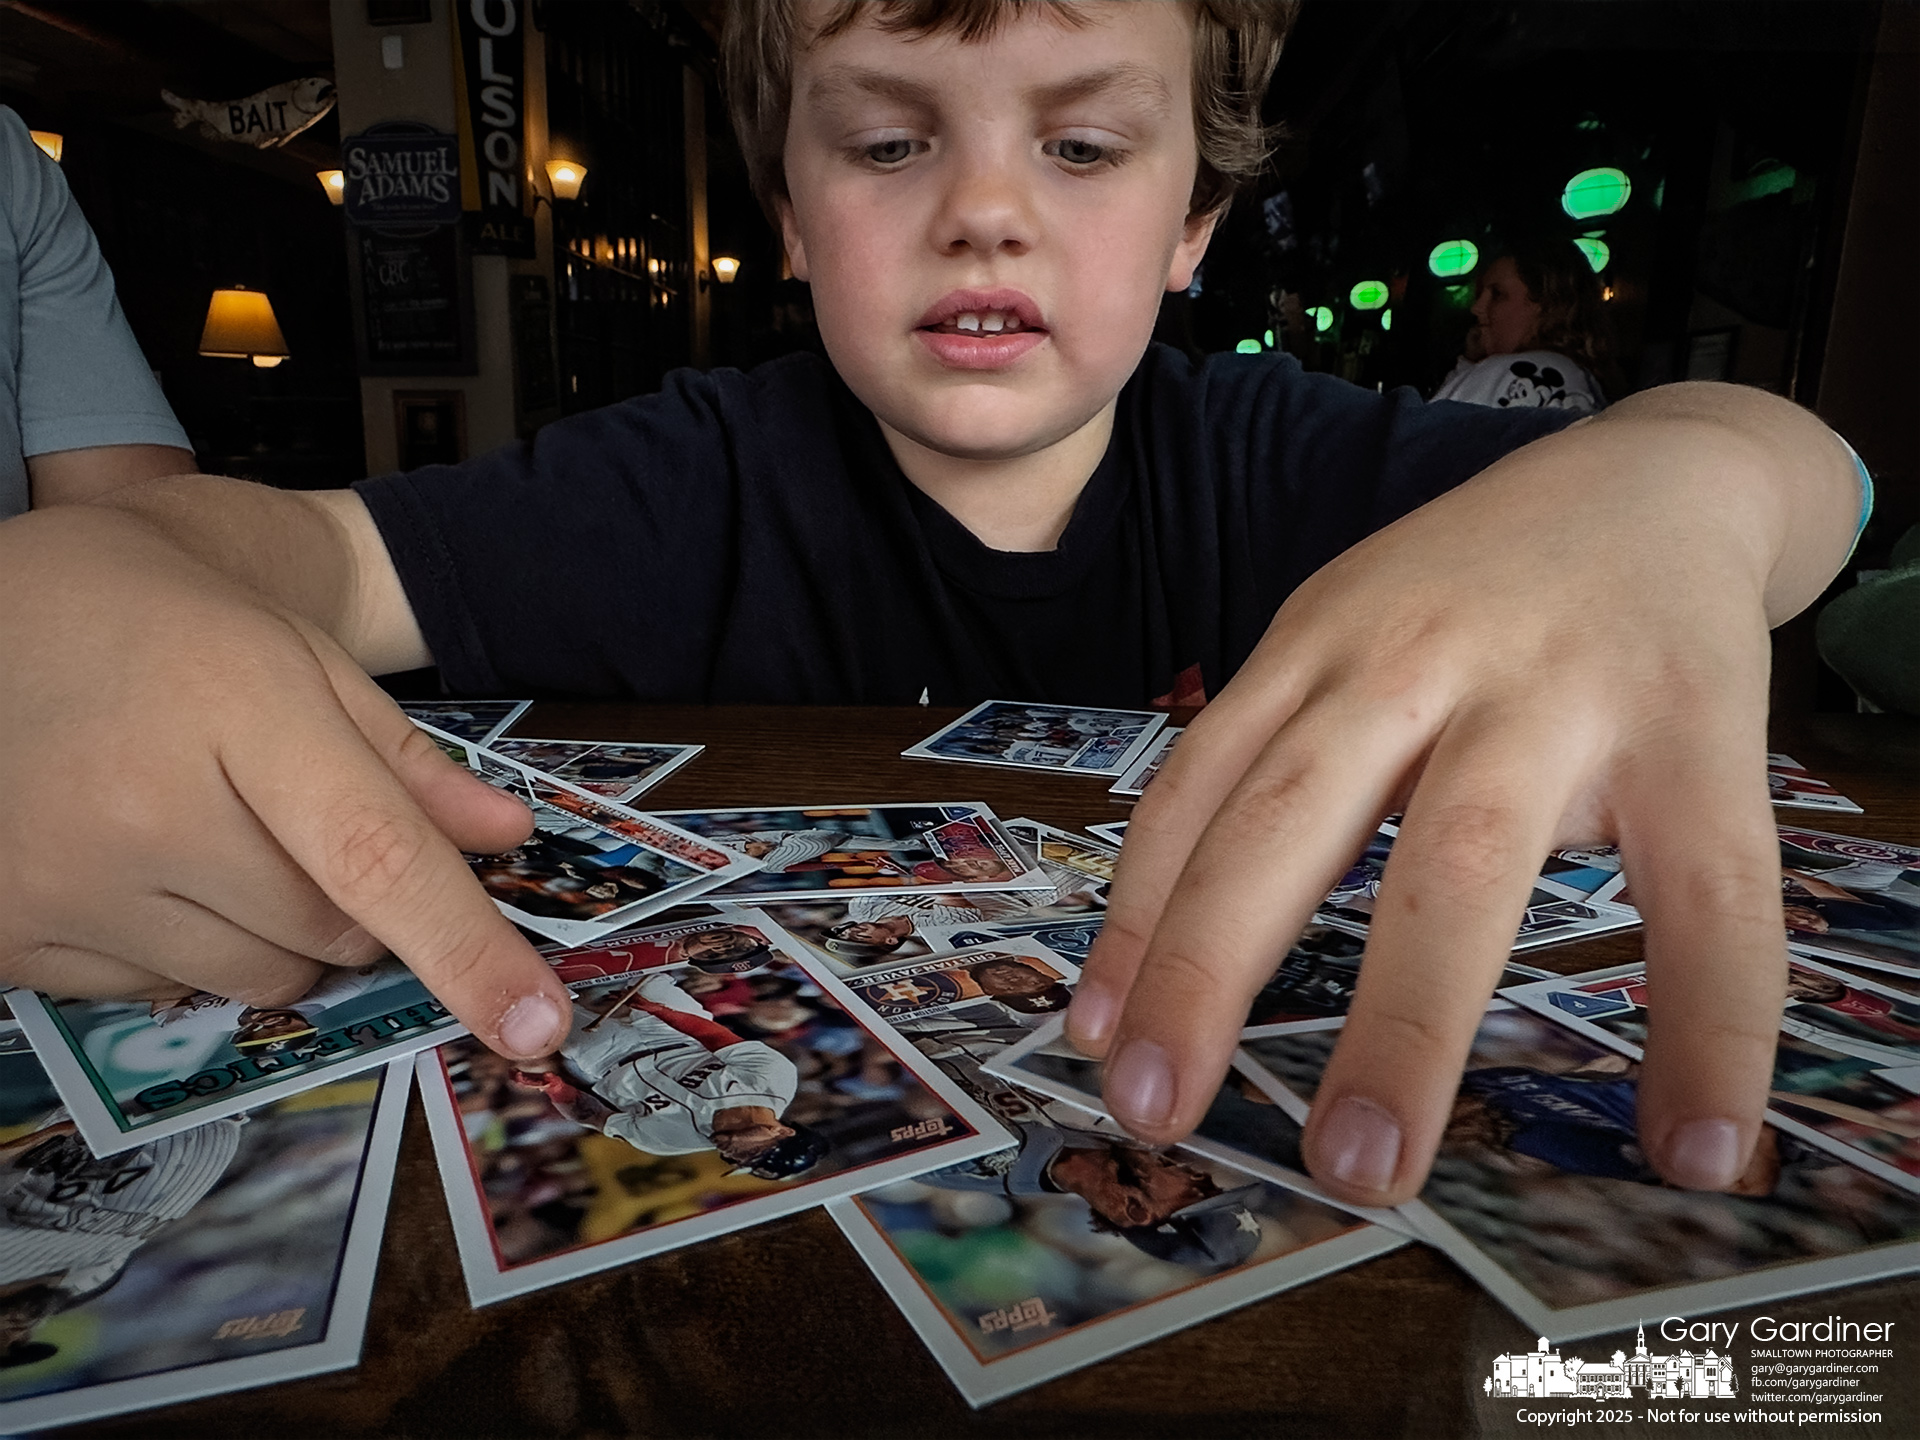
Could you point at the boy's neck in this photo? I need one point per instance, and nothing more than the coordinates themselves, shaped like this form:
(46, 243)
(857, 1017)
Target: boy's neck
(1023, 503)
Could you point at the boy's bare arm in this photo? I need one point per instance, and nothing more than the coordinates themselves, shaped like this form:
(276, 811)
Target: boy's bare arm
(1570, 648)
(206, 792)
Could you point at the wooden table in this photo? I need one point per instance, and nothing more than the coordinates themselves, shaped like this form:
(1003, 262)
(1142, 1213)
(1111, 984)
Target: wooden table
(781, 1331)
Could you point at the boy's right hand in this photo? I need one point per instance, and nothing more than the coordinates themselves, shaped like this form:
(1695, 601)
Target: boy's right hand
(205, 792)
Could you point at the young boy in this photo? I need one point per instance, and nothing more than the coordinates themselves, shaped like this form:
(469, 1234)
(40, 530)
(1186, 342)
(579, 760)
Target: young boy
(204, 790)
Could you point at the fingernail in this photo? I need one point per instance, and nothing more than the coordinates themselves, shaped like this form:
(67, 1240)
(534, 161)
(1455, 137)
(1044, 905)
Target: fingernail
(1361, 1144)
(1139, 1086)
(531, 1027)
(1705, 1155)
(353, 949)
(1091, 1016)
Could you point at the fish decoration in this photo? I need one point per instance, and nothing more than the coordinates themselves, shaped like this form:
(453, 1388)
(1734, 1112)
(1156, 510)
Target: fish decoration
(268, 118)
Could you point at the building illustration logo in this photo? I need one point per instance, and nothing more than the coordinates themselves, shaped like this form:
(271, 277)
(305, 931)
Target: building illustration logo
(1543, 1374)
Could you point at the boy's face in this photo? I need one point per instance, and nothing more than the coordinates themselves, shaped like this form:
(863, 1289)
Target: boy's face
(1034, 184)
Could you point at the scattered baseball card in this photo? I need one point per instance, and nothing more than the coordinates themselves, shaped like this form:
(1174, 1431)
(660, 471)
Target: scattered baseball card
(1852, 900)
(235, 1254)
(612, 769)
(1133, 784)
(475, 722)
(1825, 1089)
(1541, 1193)
(1553, 915)
(685, 1104)
(1082, 1243)
(1070, 739)
(591, 866)
(1114, 832)
(830, 852)
(132, 1071)
(1071, 938)
(1591, 874)
(1793, 788)
(1060, 850)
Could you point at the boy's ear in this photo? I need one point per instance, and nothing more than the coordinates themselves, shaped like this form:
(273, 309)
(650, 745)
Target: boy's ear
(1192, 249)
(790, 237)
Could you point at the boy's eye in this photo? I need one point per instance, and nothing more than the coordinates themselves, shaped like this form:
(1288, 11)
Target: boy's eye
(1080, 152)
(889, 152)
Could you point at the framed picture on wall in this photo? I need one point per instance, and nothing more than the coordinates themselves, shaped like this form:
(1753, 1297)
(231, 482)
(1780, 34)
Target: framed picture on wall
(430, 427)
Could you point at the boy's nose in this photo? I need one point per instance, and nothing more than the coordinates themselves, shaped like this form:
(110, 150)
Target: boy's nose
(984, 210)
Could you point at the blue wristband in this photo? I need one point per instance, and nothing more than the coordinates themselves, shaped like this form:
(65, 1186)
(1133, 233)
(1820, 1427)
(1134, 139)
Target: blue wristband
(1866, 495)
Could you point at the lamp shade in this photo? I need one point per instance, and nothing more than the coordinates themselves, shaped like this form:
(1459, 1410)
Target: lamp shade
(566, 178)
(51, 141)
(334, 182)
(725, 267)
(240, 326)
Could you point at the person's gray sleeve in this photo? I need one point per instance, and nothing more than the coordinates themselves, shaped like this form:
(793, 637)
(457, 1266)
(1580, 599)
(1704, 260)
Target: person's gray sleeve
(81, 379)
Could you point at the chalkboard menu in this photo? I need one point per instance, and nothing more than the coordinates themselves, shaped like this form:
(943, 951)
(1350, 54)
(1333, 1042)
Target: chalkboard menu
(415, 302)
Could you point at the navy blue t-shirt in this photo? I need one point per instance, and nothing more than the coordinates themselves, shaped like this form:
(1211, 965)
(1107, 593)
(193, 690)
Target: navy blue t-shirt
(749, 538)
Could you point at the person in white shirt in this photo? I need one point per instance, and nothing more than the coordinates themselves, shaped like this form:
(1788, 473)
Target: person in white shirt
(1540, 333)
(654, 1069)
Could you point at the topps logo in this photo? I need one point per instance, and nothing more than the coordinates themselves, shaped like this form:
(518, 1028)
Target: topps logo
(925, 1130)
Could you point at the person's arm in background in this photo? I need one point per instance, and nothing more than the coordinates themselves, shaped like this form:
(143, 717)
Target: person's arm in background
(72, 477)
(90, 416)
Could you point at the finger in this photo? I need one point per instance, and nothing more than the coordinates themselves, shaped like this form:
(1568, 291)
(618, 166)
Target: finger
(69, 972)
(1212, 756)
(1451, 901)
(1697, 834)
(1275, 847)
(337, 807)
(189, 945)
(476, 817)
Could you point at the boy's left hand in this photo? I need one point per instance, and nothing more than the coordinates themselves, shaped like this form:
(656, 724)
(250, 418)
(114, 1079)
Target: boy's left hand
(1571, 648)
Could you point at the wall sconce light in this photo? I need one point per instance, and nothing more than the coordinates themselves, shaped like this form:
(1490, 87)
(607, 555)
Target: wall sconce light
(334, 182)
(566, 178)
(51, 141)
(721, 270)
(240, 326)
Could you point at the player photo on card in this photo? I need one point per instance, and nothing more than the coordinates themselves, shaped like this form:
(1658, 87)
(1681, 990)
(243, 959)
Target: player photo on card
(714, 939)
(1243, 1127)
(831, 852)
(1542, 1194)
(1553, 916)
(474, 722)
(130, 1071)
(612, 769)
(591, 866)
(1828, 1088)
(684, 1104)
(1133, 784)
(1072, 739)
(1851, 900)
(1023, 1265)
(1793, 788)
(179, 1268)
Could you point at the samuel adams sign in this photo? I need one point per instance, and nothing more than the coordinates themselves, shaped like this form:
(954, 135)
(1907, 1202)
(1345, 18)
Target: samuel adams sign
(401, 174)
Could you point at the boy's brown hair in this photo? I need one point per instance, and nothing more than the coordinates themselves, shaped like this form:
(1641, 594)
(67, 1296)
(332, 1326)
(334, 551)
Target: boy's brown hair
(1236, 44)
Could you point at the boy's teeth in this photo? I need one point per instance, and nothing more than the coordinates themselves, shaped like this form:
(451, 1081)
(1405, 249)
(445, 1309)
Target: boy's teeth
(992, 322)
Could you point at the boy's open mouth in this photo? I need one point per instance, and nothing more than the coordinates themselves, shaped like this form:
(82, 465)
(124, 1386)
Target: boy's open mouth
(981, 329)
